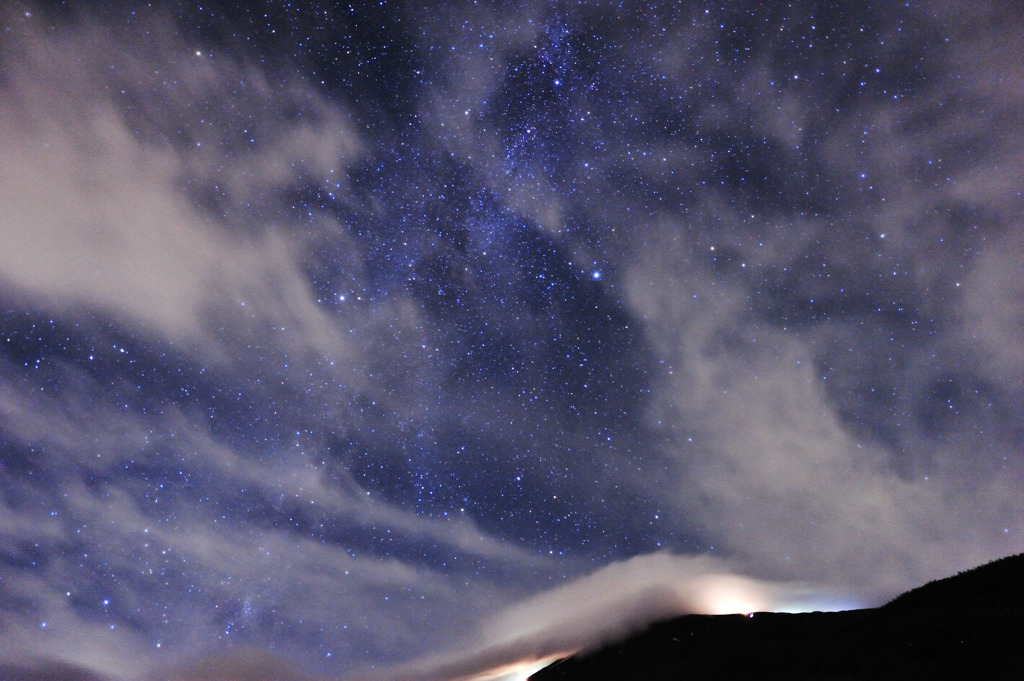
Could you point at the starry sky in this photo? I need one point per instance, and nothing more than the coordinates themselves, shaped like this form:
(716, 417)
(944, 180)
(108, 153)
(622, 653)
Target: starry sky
(408, 340)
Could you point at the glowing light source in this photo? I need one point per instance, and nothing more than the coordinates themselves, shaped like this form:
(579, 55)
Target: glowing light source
(517, 671)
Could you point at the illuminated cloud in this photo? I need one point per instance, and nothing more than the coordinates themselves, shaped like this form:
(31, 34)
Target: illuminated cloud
(604, 606)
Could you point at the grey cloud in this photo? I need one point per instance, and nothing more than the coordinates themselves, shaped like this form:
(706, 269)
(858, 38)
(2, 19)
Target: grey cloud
(770, 452)
(242, 665)
(46, 671)
(112, 217)
(605, 605)
(233, 570)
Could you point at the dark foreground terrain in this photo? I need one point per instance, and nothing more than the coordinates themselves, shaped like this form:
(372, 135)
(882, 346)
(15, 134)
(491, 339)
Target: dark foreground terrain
(970, 626)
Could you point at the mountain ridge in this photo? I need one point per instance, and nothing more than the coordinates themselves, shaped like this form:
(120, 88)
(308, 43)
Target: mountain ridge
(960, 627)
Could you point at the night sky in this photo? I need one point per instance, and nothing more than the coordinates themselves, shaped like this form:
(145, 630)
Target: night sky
(407, 340)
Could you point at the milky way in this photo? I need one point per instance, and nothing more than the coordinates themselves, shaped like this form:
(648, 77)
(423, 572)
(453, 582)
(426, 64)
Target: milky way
(409, 341)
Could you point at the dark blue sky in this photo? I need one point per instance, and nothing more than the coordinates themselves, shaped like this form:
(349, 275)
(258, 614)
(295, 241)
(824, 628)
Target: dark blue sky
(348, 334)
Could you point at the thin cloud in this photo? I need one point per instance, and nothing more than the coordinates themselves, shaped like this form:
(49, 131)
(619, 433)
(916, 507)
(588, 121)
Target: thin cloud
(98, 216)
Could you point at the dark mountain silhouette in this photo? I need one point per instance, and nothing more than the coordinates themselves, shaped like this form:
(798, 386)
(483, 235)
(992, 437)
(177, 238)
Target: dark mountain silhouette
(969, 626)
(992, 585)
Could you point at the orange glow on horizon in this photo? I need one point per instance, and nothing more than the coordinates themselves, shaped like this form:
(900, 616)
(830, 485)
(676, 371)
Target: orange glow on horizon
(517, 671)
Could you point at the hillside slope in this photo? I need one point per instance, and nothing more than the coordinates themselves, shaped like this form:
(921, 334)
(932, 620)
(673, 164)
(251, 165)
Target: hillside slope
(963, 627)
